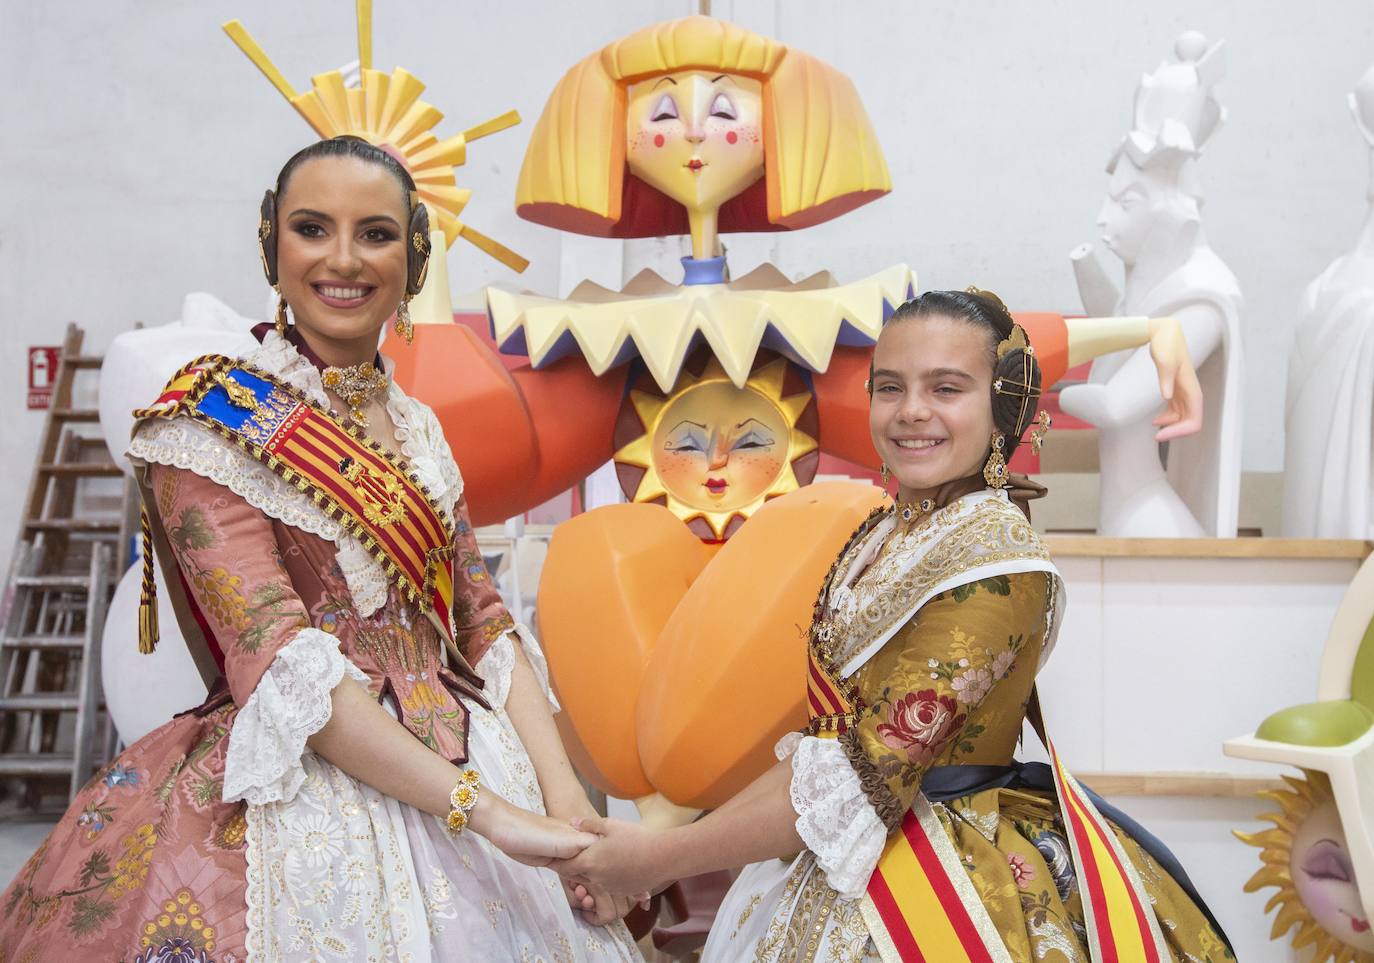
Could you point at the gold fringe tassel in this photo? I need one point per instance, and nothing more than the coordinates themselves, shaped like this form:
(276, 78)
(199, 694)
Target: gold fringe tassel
(147, 597)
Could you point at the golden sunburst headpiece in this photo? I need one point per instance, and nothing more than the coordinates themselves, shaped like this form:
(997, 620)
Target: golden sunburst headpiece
(1297, 804)
(754, 417)
(386, 110)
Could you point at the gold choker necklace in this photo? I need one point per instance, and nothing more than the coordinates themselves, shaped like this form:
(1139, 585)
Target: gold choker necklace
(355, 384)
(910, 511)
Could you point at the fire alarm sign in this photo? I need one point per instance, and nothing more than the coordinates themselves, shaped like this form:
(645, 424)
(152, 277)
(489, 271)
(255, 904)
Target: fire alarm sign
(42, 376)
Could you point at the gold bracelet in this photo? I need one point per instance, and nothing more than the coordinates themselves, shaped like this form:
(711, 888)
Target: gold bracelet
(462, 799)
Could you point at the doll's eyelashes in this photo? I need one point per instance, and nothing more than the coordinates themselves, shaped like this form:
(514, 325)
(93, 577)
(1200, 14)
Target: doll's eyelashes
(721, 107)
(666, 109)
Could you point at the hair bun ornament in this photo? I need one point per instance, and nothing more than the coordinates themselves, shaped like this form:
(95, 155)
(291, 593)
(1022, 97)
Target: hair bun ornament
(990, 296)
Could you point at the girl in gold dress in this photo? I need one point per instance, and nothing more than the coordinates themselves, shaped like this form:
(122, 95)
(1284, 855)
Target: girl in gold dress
(898, 826)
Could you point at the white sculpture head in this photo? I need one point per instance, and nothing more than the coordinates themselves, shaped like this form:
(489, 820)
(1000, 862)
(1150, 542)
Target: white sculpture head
(1361, 101)
(1154, 197)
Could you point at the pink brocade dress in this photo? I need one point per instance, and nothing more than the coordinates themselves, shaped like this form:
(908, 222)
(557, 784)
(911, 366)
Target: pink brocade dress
(220, 836)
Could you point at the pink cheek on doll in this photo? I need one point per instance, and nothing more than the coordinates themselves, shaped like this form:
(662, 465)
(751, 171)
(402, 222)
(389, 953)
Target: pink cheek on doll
(731, 137)
(658, 140)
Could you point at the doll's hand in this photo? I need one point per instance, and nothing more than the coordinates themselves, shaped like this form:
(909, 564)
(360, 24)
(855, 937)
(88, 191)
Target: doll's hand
(1177, 380)
(623, 860)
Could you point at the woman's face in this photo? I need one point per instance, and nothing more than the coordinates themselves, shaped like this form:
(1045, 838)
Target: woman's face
(719, 448)
(697, 136)
(931, 412)
(341, 252)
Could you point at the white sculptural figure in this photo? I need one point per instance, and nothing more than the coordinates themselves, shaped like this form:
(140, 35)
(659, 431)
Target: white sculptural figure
(1151, 220)
(1328, 482)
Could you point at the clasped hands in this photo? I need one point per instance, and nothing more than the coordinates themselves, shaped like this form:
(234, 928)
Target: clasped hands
(622, 865)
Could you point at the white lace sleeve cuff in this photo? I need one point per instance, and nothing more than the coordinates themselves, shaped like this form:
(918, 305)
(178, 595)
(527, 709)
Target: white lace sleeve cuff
(290, 704)
(834, 817)
(498, 662)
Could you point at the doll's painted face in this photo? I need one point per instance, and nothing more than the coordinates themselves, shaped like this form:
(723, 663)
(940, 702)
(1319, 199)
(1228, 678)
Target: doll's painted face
(696, 135)
(1325, 880)
(719, 448)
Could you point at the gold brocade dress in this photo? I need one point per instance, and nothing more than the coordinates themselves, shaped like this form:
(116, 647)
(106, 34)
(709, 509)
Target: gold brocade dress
(948, 688)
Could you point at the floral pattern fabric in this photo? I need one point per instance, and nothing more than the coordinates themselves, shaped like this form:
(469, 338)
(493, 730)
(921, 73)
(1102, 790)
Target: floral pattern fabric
(151, 864)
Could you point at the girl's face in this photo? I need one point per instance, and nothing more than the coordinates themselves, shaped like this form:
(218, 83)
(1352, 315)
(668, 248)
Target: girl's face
(931, 412)
(697, 136)
(341, 253)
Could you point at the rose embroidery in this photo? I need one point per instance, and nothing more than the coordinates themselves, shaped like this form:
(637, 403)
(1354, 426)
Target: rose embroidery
(1021, 871)
(919, 723)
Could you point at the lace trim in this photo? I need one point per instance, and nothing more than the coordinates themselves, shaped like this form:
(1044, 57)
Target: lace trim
(367, 582)
(279, 357)
(422, 442)
(880, 795)
(495, 668)
(788, 745)
(498, 662)
(290, 704)
(181, 443)
(834, 816)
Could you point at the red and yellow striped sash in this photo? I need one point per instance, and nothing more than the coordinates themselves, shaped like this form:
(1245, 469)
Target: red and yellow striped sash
(830, 709)
(351, 479)
(921, 904)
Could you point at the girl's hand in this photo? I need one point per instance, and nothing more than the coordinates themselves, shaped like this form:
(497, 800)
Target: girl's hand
(626, 859)
(596, 904)
(524, 836)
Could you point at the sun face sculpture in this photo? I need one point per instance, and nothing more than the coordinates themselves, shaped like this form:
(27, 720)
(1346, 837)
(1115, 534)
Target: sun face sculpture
(712, 451)
(386, 110)
(1306, 858)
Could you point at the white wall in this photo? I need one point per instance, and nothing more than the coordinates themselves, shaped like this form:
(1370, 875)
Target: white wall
(136, 141)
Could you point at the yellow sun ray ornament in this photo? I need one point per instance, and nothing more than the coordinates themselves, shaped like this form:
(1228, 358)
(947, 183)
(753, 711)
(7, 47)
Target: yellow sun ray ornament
(1305, 857)
(386, 110)
(712, 451)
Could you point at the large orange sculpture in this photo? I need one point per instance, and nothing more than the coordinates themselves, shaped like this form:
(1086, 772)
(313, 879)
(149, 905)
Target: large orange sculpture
(678, 668)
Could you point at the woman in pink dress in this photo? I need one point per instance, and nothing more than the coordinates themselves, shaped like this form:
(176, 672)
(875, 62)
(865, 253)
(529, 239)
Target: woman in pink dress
(320, 803)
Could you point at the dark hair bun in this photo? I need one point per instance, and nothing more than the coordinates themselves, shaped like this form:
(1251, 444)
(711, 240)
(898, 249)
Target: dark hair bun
(1015, 394)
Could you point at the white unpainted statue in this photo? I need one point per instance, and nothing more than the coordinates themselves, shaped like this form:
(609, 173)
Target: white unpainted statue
(1151, 220)
(1328, 481)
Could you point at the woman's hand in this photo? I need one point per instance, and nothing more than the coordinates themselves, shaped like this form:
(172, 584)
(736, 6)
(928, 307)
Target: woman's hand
(627, 858)
(597, 905)
(524, 836)
(1177, 380)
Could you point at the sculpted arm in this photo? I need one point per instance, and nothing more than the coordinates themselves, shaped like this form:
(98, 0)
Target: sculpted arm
(521, 435)
(1134, 392)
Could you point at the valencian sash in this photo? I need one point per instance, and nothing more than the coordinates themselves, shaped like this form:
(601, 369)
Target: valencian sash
(352, 480)
(921, 905)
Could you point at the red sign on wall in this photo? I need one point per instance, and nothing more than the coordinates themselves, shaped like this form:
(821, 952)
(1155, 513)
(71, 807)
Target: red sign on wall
(42, 376)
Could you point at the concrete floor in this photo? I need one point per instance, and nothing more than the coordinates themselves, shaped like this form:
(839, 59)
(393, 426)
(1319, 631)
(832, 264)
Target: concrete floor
(18, 840)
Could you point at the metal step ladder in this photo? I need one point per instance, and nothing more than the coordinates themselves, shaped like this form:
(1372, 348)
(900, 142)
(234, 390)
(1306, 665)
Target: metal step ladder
(73, 544)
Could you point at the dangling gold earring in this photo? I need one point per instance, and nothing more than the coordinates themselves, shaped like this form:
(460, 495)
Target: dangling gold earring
(281, 314)
(885, 473)
(995, 471)
(404, 326)
(1042, 425)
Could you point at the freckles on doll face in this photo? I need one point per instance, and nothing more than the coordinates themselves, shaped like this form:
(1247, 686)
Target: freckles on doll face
(720, 448)
(697, 136)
